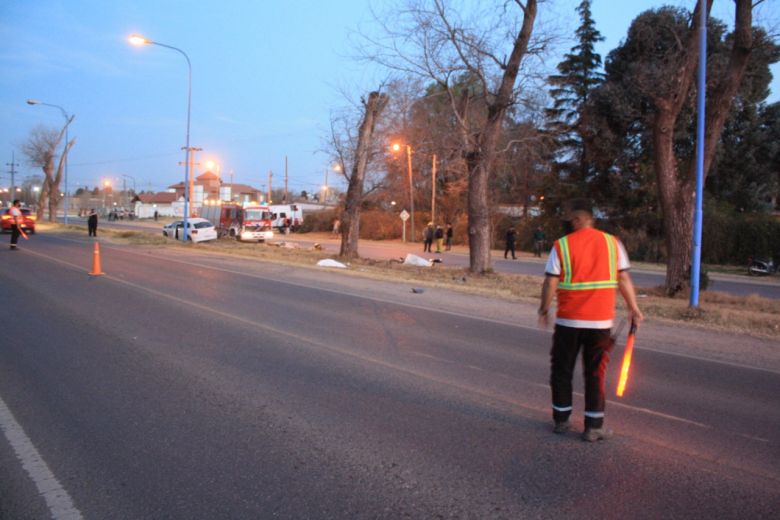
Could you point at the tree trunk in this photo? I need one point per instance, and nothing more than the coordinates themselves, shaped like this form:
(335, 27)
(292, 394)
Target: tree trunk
(350, 221)
(676, 188)
(479, 215)
(480, 159)
(54, 183)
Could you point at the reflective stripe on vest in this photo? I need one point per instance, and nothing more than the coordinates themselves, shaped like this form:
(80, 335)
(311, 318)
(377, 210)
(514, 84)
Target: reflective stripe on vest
(568, 285)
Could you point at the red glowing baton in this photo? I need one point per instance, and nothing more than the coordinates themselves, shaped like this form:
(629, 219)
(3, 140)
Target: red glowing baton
(626, 360)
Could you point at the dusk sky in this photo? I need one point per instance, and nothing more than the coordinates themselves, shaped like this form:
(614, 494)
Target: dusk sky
(266, 76)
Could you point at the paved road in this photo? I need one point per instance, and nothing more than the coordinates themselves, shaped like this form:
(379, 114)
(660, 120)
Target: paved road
(188, 386)
(525, 264)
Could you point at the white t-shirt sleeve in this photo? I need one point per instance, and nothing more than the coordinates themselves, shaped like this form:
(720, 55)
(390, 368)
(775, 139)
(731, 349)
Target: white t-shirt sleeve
(553, 265)
(623, 263)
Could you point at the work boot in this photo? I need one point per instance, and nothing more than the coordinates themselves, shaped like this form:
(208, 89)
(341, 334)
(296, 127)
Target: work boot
(562, 427)
(596, 434)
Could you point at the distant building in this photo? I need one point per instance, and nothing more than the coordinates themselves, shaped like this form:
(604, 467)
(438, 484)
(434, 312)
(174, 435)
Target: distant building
(164, 203)
(209, 187)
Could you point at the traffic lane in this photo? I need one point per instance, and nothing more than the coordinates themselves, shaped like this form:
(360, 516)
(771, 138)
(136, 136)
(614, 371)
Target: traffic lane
(135, 434)
(270, 302)
(424, 435)
(402, 335)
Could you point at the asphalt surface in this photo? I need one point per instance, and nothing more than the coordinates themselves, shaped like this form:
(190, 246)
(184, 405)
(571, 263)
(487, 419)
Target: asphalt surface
(183, 385)
(768, 287)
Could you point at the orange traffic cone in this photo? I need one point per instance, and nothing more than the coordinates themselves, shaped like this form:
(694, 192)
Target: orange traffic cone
(96, 262)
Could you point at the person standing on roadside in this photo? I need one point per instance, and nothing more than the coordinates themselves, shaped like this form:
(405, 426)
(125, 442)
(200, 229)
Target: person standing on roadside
(448, 234)
(511, 237)
(428, 237)
(92, 223)
(585, 269)
(439, 234)
(538, 241)
(16, 223)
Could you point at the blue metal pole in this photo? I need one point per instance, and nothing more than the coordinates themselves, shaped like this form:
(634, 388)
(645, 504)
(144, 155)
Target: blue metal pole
(698, 213)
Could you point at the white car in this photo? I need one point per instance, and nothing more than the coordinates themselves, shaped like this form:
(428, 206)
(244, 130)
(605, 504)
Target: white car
(200, 230)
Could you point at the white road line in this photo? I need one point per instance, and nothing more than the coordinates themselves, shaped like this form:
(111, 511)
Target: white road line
(59, 502)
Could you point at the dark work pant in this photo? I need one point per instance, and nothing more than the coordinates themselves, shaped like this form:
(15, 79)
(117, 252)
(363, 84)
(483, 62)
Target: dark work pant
(595, 345)
(14, 234)
(93, 231)
(510, 247)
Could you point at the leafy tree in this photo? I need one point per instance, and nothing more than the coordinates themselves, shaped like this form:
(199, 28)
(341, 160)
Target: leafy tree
(650, 82)
(579, 74)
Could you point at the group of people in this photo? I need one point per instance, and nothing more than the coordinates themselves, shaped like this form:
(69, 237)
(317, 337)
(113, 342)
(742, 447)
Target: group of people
(440, 235)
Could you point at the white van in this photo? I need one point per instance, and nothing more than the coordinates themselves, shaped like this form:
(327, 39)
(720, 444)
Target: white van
(286, 216)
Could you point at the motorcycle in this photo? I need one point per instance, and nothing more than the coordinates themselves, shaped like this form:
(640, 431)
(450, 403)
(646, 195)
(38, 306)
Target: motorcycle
(761, 266)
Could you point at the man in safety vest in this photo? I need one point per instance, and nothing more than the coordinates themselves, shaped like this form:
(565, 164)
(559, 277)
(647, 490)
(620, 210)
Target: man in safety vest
(585, 269)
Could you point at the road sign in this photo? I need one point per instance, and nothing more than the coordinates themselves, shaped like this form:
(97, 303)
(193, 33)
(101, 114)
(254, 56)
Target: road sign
(404, 215)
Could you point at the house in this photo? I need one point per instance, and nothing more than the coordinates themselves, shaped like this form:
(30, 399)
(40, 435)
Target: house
(164, 203)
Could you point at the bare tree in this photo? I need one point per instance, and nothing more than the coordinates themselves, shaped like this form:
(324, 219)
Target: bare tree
(353, 154)
(41, 150)
(467, 59)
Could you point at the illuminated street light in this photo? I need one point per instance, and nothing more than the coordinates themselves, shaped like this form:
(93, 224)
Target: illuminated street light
(68, 121)
(138, 40)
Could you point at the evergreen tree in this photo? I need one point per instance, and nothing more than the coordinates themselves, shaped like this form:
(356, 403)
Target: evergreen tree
(578, 75)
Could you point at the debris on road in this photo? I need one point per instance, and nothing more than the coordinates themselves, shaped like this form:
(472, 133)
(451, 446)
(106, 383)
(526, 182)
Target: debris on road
(417, 261)
(329, 262)
(417, 291)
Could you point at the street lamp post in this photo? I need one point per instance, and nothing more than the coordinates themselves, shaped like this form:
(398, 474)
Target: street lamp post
(68, 121)
(135, 191)
(138, 41)
(397, 147)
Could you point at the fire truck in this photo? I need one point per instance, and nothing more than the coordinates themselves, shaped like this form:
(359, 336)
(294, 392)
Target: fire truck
(244, 223)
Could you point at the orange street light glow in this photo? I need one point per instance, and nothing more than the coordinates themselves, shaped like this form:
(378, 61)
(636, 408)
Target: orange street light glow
(396, 147)
(137, 39)
(626, 361)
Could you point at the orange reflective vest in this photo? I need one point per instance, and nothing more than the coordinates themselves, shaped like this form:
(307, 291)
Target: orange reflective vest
(589, 275)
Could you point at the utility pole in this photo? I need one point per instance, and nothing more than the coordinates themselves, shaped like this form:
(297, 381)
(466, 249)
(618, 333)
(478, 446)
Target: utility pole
(411, 186)
(270, 189)
(285, 180)
(13, 165)
(325, 195)
(433, 190)
(189, 189)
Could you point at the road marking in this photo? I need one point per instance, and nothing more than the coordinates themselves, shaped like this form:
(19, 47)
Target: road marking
(57, 499)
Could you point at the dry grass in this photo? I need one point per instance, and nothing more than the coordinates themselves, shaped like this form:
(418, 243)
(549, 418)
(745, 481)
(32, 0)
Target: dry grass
(752, 315)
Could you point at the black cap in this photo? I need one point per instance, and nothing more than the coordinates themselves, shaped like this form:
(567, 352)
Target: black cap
(577, 205)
